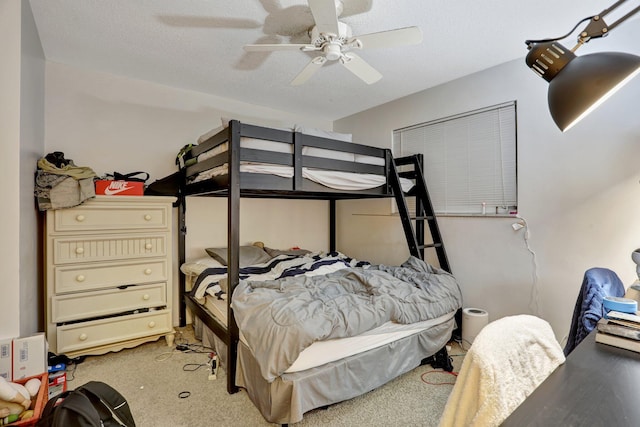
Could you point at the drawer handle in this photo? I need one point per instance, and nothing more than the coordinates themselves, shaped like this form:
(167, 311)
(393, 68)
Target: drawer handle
(83, 337)
(80, 278)
(79, 251)
(147, 271)
(152, 324)
(148, 246)
(80, 218)
(147, 217)
(146, 297)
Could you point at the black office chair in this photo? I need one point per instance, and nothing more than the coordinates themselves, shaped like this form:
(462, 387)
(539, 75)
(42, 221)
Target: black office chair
(596, 284)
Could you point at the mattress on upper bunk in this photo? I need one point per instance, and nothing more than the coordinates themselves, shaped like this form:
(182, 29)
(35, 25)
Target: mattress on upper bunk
(335, 179)
(346, 307)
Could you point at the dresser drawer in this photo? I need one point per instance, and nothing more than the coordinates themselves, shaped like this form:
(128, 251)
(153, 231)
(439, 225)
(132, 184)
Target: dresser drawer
(81, 277)
(85, 305)
(97, 216)
(83, 248)
(108, 331)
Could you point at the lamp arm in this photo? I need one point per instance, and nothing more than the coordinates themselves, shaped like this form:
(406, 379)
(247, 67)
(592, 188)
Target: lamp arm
(598, 28)
(531, 42)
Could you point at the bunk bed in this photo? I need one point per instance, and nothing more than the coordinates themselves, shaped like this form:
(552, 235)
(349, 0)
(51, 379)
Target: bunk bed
(244, 160)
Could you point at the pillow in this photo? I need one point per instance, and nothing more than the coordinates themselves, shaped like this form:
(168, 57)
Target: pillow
(202, 138)
(346, 137)
(197, 266)
(275, 252)
(224, 285)
(249, 255)
(257, 122)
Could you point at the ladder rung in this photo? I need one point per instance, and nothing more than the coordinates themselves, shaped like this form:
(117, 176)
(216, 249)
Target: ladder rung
(407, 160)
(422, 218)
(407, 174)
(430, 245)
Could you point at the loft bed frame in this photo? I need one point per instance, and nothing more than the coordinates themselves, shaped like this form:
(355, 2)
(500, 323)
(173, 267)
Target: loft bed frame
(236, 184)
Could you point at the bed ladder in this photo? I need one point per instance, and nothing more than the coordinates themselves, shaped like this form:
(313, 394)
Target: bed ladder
(424, 209)
(412, 169)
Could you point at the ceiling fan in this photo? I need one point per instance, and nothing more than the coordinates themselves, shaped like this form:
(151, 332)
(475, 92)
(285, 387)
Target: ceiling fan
(334, 41)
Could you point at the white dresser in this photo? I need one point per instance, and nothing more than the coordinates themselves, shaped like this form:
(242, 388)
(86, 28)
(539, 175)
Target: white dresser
(108, 275)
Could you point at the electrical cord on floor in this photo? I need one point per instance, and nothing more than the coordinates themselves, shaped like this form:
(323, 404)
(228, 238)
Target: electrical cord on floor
(193, 348)
(192, 367)
(71, 371)
(442, 371)
(212, 365)
(424, 374)
(184, 347)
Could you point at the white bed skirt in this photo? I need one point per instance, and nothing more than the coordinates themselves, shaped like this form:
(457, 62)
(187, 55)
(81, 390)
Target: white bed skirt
(322, 352)
(286, 399)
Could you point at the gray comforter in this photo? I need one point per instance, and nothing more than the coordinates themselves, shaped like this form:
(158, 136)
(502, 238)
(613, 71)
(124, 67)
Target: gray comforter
(280, 318)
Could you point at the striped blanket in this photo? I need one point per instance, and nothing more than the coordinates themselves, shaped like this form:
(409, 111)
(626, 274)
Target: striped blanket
(212, 281)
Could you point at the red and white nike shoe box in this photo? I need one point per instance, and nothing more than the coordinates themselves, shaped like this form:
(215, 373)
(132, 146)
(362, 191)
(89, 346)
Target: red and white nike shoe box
(119, 188)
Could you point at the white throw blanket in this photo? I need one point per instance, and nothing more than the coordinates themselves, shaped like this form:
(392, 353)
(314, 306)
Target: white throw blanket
(508, 359)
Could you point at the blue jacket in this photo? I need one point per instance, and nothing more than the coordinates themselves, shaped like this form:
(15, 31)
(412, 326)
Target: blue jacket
(597, 283)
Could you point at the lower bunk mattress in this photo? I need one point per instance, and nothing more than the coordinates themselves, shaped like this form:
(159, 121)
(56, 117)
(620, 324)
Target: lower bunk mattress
(321, 352)
(329, 328)
(287, 398)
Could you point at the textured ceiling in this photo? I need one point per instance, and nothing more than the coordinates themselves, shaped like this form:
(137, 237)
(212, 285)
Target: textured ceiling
(197, 44)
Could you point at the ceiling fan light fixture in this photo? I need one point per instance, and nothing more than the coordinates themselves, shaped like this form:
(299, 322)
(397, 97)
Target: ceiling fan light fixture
(332, 51)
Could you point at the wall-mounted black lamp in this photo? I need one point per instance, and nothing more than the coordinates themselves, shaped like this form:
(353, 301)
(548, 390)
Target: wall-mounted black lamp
(578, 84)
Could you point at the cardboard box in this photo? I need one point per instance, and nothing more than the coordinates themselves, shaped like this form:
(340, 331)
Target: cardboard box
(119, 188)
(29, 356)
(5, 359)
(37, 403)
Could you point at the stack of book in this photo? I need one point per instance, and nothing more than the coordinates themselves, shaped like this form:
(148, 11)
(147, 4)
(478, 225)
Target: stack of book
(620, 330)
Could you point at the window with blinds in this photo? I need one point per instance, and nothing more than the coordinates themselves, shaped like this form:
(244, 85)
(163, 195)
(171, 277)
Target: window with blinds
(469, 160)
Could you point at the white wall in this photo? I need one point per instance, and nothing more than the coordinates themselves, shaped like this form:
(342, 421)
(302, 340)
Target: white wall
(111, 123)
(22, 141)
(31, 148)
(275, 222)
(578, 191)
(10, 24)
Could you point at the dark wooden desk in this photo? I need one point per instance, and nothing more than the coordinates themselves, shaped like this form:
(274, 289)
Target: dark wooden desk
(598, 385)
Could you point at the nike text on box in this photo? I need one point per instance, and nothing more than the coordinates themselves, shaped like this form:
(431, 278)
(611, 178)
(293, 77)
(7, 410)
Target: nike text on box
(119, 188)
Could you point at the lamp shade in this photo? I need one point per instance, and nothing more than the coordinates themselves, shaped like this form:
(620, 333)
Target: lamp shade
(587, 81)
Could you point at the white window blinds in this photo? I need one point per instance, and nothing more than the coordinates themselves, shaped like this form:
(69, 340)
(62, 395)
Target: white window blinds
(469, 160)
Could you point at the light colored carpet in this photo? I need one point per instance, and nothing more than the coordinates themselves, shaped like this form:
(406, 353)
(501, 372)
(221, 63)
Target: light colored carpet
(151, 377)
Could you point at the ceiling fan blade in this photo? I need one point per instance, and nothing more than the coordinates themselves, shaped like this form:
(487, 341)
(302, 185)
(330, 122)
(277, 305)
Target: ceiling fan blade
(325, 15)
(360, 68)
(309, 70)
(351, 7)
(272, 47)
(400, 37)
